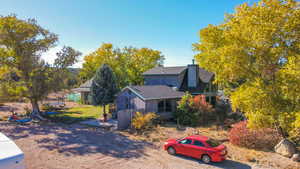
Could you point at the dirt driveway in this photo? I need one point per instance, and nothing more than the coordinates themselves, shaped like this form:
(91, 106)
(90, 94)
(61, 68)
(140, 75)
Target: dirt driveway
(58, 146)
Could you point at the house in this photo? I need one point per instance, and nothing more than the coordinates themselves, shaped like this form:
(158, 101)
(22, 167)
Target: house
(149, 98)
(84, 91)
(163, 88)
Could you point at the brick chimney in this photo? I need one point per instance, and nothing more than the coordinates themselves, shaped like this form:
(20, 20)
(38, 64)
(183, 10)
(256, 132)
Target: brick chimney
(193, 74)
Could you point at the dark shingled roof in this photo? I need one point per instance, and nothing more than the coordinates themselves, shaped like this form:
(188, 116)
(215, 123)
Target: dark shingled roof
(204, 75)
(155, 92)
(165, 70)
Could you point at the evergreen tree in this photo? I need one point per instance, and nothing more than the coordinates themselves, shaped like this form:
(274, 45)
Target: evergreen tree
(104, 87)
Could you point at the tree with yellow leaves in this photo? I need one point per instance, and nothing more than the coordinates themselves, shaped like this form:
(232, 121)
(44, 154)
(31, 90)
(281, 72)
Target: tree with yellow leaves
(128, 63)
(23, 73)
(255, 55)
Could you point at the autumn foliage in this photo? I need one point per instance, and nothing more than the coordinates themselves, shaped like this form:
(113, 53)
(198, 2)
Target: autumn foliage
(142, 122)
(255, 57)
(262, 139)
(193, 110)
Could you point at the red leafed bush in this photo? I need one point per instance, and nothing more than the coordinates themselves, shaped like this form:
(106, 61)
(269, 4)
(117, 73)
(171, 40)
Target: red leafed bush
(261, 139)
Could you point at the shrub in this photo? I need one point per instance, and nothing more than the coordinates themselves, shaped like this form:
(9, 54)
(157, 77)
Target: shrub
(186, 113)
(205, 110)
(236, 116)
(221, 110)
(194, 110)
(261, 139)
(295, 132)
(142, 122)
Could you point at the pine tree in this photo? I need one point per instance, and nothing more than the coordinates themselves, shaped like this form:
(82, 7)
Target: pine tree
(104, 87)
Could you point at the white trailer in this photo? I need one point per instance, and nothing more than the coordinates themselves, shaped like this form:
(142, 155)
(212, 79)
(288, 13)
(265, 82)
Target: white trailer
(11, 156)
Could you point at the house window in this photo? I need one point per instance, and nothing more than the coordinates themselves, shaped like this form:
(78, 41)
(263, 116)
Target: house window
(161, 106)
(165, 106)
(127, 103)
(168, 106)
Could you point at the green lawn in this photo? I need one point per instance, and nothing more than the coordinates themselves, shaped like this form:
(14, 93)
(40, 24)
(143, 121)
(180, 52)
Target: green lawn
(80, 113)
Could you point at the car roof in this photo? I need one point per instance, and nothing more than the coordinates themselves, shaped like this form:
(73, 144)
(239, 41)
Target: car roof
(198, 137)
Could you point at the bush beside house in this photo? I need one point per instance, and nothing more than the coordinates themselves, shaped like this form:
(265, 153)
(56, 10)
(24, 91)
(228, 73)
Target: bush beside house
(196, 111)
(142, 122)
(186, 113)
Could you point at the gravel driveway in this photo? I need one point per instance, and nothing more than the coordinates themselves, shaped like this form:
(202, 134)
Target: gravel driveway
(58, 146)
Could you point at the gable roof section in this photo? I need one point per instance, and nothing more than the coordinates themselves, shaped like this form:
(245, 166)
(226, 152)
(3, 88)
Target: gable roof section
(155, 92)
(204, 75)
(85, 87)
(87, 84)
(165, 70)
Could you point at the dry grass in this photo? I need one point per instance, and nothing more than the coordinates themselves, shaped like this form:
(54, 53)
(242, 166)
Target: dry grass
(161, 133)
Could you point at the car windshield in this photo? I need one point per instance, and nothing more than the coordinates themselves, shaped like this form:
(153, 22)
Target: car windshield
(179, 139)
(213, 143)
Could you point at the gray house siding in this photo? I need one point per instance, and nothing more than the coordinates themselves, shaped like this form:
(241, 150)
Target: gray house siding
(169, 80)
(151, 105)
(139, 104)
(128, 100)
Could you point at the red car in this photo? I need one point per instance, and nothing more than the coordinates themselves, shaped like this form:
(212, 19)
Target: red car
(197, 146)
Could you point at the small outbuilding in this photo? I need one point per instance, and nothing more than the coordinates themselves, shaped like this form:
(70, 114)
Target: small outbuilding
(84, 91)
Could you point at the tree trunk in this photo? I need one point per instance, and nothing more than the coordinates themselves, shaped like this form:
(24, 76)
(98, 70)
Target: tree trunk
(35, 107)
(281, 131)
(104, 109)
(104, 114)
(36, 110)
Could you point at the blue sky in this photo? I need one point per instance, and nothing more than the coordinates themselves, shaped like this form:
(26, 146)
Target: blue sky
(170, 26)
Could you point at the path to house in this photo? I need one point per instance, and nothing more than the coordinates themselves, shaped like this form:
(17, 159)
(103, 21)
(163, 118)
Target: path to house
(58, 146)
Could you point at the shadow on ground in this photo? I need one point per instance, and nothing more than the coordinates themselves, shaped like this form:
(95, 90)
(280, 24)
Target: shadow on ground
(78, 140)
(227, 164)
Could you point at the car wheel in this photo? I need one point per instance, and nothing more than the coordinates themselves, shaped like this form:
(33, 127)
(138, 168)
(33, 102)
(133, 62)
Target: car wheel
(206, 159)
(171, 151)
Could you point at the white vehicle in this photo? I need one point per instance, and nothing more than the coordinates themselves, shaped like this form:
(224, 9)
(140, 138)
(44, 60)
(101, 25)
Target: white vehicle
(11, 157)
